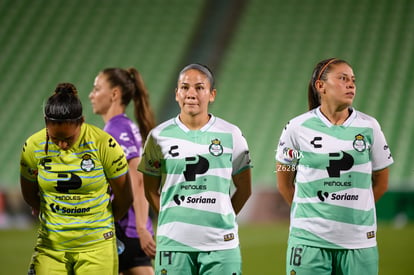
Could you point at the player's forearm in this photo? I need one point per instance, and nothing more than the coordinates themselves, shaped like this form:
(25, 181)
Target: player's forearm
(30, 193)
(151, 187)
(287, 192)
(239, 199)
(154, 200)
(380, 183)
(140, 203)
(141, 208)
(33, 201)
(285, 183)
(123, 198)
(243, 184)
(120, 207)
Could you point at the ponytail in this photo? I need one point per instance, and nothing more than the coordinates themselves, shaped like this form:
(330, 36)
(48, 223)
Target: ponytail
(132, 87)
(142, 109)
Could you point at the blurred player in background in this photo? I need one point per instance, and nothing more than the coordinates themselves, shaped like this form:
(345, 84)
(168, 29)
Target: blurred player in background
(66, 170)
(332, 166)
(113, 90)
(189, 164)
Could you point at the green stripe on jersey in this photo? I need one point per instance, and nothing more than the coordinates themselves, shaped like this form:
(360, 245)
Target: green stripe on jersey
(205, 218)
(196, 179)
(338, 131)
(335, 213)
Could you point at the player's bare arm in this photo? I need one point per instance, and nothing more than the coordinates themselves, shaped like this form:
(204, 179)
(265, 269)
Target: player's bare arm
(285, 181)
(243, 183)
(152, 186)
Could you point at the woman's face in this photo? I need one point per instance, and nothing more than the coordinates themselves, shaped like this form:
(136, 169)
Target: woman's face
(64, 135)
(194, 93)
(101, 95)
(339, 88)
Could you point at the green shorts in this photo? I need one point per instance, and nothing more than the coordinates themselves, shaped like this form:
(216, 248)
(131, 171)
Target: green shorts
(102, 261)
(308, 260)
(223, 262)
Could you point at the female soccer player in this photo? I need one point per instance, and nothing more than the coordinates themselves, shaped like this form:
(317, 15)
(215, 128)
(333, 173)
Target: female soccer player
(331, 168)
(66, 170)
(113, 90)
(189, 164)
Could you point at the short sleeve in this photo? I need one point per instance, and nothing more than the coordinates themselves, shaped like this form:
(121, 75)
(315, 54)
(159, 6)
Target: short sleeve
(287, 151)
(380, 152)
(241, 154)
(151, 158)
(28, 164)
(112, 157)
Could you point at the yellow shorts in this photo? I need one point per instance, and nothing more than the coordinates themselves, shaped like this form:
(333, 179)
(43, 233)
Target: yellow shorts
(101, 261)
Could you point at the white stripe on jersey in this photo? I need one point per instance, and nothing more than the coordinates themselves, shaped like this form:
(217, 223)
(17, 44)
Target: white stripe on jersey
(174, 179)
(332, 232)
(364, 205)
(198, 237)
(196, 169)
(319, 174)
(334, 174)
(224, 208)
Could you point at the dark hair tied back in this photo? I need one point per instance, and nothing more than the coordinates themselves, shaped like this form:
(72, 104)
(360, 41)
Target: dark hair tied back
(64, 105)
(132, 87)
(320, 73)
(202, 68)
(66, 88)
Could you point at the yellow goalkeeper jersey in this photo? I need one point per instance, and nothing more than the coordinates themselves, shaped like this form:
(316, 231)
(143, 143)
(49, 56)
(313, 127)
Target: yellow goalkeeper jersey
(75, 203)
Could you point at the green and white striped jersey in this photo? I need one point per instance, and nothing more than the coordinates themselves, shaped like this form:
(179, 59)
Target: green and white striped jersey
(196, 169)
(333, 204)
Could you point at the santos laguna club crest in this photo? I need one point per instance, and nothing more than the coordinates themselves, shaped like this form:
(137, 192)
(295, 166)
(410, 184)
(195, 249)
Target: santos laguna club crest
(359, 143)
(215, 147)
(87, 163)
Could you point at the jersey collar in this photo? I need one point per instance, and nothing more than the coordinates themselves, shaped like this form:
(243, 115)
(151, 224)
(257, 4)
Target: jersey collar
(346, 123)
(202, 129)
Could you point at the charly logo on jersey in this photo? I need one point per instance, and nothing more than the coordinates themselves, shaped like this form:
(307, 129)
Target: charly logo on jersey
(216, 149)
(315, 142)
(386, 148)
(193, 199)
(359, 143)
(124, 136)
(87, 163)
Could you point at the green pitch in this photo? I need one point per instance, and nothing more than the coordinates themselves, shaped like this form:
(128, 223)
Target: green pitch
(263, 249)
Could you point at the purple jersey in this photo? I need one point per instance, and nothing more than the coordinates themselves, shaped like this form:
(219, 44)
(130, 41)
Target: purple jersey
(127, 134)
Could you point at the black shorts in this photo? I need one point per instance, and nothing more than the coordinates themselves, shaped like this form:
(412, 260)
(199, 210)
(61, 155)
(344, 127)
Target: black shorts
(132, 255)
